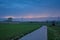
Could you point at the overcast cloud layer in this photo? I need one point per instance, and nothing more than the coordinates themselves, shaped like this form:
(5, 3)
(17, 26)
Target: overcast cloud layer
(29, 8)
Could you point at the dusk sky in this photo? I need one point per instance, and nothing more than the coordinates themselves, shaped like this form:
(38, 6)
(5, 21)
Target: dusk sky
(29, 8)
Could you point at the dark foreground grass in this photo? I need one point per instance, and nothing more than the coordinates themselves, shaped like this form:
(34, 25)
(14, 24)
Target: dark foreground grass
(9, 31)
(54, 31)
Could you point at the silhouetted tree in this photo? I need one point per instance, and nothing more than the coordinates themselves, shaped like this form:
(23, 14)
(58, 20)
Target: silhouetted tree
(53, 23)
(9, 19)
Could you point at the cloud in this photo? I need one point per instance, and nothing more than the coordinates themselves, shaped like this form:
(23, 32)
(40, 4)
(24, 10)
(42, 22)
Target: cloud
(15, 4)
(35, 7)
(28, 16)
(9, 17)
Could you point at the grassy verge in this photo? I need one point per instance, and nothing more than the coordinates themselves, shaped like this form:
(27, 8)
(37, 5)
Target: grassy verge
(54, 32)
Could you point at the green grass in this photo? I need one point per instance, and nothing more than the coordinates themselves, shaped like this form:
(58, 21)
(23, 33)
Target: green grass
(53, 31)
(8, 31)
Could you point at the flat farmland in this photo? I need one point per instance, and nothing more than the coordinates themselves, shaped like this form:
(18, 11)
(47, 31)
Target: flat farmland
(9, 31)
(15, 31)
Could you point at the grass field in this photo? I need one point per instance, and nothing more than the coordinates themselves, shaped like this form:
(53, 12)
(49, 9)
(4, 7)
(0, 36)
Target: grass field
(54, 31)
(9, 31)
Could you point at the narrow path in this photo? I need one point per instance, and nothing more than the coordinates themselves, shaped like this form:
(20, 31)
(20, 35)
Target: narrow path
(40, 34)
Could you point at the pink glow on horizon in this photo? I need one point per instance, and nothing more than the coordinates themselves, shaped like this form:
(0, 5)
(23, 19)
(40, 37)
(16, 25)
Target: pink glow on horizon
(31, 16)
(28, 16)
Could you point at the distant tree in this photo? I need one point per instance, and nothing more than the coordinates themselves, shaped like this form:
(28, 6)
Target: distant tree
(53, 23)
(10, 19)
(47, 21)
